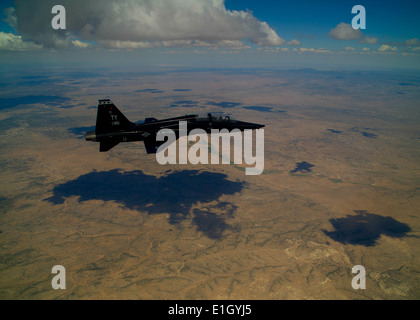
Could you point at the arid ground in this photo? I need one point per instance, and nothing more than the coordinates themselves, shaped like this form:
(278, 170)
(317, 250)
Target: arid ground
(340, 188)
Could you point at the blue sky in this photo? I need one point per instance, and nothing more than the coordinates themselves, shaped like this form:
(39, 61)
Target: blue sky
(388, 19)
(246, 32)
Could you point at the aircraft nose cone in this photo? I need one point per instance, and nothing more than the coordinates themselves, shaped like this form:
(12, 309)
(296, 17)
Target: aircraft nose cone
(249, 125)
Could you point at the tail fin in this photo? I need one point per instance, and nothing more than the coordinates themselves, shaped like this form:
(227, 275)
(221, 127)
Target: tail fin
(110, 119)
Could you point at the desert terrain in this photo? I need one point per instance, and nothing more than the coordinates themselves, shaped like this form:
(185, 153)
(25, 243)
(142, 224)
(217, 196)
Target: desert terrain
(340, 187)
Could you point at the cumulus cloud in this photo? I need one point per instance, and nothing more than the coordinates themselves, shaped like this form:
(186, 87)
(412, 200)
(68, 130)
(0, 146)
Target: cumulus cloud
(80, 44)
(141, 23)
(293, 42)
(387, 48)
(369, 40)
(344, 31)
(412, 42)
(406, 43)
(11, 42)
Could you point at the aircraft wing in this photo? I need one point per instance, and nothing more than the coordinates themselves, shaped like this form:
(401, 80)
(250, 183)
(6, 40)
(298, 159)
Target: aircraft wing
(152, 145)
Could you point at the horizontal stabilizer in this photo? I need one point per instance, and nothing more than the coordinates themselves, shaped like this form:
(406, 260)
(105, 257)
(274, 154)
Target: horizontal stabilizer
(107, 145)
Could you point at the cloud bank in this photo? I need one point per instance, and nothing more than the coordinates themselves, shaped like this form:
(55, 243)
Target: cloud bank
(139, 23)
(11, 42)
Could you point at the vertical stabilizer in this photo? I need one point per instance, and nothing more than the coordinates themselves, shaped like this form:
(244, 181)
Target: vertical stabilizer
(110, 119)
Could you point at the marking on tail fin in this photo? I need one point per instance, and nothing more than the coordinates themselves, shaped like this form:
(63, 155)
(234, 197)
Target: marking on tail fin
(110, 119)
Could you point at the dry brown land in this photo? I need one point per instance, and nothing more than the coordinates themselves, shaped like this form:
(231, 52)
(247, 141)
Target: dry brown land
(125, 227)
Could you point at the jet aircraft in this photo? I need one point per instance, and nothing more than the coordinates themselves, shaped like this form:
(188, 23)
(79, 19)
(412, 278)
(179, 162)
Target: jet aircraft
(112, 127)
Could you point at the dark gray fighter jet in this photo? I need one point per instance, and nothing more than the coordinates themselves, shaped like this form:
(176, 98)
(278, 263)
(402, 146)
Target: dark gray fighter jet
(112, 127)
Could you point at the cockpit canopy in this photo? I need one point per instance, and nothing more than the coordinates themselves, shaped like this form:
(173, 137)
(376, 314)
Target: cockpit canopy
(217, 117)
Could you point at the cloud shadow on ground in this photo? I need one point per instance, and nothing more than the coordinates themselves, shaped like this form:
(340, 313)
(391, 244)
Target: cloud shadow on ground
(365, 228)
(175, 193)
(224, 104)
(369, 134)
(303, 166)
(6, 103)
(81, 131)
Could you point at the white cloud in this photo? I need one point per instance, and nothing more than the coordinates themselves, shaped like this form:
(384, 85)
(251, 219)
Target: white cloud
(80, 44)
(369, 40)
(10, 19)
(366, 49)
(412, 42)
(407, 43)
(387, 48)
(293, 42)
(349, 49)
(141, 23)
(311, 50)
(225, 44)
(344, 31)
(115, 44)
(11, 42)
(276, 50)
